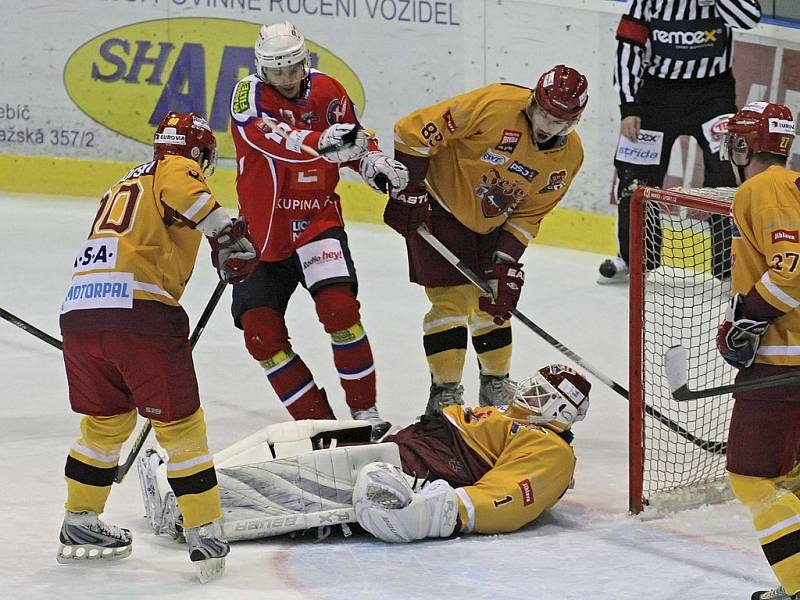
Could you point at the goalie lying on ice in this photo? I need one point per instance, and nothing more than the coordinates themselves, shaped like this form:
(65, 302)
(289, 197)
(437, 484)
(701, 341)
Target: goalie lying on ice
(492, 470)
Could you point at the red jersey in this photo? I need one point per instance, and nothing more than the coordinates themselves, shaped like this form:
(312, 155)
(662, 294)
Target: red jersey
(287, 196)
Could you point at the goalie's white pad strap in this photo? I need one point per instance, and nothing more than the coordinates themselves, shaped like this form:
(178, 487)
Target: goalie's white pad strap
(255, 448)
(278, 496)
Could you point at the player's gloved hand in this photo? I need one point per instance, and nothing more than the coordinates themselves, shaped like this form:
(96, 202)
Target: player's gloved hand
(382, 173)
(738, 337)
(387, 506)
(343, 142)
(232, 252)
(506, 281)
(407, 209)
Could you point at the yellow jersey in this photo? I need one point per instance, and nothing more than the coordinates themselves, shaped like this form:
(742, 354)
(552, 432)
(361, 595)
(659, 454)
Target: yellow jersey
(531, 468)
(143, 243)
(766, 254)
(485, 167)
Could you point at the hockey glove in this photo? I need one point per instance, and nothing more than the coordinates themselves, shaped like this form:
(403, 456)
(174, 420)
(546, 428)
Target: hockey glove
(382, 173)
(387, 506)
(738, 337)
(233, 253)
(342, 143)
(506, 281)
(407, 210)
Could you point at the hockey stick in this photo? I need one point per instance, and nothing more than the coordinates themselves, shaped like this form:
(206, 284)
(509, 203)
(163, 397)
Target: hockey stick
(25, 326)
(348, 138)
(444, 251)
(676, 366)
(122, 470)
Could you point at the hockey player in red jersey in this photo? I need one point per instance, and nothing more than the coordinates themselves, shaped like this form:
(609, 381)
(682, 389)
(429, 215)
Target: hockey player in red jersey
(761, 334)
(294, 128)
(491, 470)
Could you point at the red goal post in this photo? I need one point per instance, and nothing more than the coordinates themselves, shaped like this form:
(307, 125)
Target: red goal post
(679, 241)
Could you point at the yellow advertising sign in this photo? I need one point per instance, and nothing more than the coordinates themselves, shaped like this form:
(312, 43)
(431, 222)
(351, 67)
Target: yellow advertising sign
(126, 79)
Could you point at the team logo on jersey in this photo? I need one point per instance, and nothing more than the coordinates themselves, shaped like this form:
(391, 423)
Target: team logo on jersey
(784, 235)
(509, 140)
(287, 116)
(527, 492)
(336, 110)
(556, 181)
(498, 196)
(449, 121)
(493, 158)
(524, 171)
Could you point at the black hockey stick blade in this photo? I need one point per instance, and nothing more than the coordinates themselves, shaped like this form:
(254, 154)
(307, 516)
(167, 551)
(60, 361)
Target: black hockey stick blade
(677, 370)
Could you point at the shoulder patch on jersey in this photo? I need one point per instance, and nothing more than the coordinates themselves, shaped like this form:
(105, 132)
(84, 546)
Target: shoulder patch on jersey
(243, 99)
(337, 109)
(784, 235)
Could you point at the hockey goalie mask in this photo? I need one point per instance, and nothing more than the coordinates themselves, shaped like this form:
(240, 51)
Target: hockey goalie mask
(189, 135)
(557, 102)
(556, 397)
(282, 58)
(758, 127)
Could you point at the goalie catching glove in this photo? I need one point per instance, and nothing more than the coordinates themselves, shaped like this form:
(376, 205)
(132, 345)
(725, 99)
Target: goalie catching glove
(506, 281)
(738, 337)
(232, 250)
(382, 173)
(387, 506)
(343, 142)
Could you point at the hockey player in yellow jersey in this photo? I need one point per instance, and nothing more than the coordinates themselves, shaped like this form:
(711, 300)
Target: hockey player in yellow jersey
(126, 344)
(491, 470)
(484, 169)
(761, 335)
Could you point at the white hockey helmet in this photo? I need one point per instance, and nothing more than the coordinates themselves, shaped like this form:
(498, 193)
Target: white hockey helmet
(556, 397)
(279, 45)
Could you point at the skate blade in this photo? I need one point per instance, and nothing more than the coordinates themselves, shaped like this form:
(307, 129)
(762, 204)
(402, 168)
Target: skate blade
(209, 569)
(74, 553)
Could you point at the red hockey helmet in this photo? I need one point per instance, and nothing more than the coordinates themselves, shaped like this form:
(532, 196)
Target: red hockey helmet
(563, 92)
(759, 127)
(556, 397)
(189, 135)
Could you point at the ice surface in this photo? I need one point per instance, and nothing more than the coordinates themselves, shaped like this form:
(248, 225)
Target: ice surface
(587, 547)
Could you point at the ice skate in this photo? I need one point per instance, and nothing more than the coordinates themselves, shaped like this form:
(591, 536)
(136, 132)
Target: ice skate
(443, 395)
(85, 537)
(496, 390)
(207, 550)
(777, 594)
(613, 270)
(379, 426)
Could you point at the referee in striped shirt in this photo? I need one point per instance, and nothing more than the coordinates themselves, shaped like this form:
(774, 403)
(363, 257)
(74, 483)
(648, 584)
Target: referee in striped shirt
(673, 75)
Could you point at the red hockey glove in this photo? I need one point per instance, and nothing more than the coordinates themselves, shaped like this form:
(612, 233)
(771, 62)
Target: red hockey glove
(407, 210)
(738, 338)
(506, 281)
(233, 253)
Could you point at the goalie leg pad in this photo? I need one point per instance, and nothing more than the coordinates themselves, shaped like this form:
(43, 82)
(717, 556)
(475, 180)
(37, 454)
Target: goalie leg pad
(387, 507)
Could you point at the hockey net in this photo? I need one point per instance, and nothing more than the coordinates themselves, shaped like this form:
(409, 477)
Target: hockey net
(678, 295)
